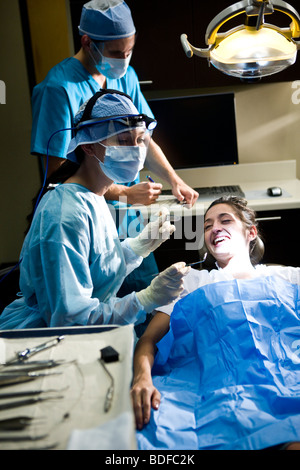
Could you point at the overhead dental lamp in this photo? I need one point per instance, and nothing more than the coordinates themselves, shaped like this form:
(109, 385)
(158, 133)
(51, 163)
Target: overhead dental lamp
(252, 50)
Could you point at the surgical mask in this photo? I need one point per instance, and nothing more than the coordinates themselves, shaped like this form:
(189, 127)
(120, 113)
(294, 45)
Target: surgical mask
(123, 163)
(109, 67)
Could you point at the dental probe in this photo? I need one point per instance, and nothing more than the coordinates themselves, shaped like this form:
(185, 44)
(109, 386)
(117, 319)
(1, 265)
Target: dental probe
(198, 262)
(187, 265)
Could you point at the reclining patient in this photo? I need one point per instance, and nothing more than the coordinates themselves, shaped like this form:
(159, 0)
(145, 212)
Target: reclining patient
(223, 371)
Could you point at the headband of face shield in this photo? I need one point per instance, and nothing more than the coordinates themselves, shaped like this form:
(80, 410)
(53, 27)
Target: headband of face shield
(125, 134)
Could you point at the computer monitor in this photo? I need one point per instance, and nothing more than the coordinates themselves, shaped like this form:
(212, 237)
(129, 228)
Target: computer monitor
(196, 130)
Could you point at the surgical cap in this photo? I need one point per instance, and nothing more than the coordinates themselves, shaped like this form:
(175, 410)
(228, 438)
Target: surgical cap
(109, 107)
(106, 20)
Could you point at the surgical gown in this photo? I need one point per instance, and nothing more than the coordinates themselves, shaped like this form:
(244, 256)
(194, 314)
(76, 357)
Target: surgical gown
(55, 101)
(229, 369)
(73, 264)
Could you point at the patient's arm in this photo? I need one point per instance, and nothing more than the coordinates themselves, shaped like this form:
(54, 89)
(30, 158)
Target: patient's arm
(143, 393)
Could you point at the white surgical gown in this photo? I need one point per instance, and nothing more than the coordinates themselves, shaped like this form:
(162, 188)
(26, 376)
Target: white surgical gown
(73, 264)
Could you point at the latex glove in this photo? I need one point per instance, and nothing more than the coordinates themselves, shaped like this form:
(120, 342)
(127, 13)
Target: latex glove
(164, 288)
(153, 235)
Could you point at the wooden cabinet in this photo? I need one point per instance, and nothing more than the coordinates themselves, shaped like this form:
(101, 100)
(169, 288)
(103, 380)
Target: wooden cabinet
(280, 234)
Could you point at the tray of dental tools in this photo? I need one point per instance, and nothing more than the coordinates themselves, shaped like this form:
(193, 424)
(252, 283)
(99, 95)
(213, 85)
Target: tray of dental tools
(59, 385)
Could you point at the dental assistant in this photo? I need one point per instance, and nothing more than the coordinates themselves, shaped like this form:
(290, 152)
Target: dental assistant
(107, 41)
(73, 263)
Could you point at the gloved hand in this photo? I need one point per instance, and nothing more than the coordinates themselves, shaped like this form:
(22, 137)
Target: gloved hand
(153, 235)
(164, 288)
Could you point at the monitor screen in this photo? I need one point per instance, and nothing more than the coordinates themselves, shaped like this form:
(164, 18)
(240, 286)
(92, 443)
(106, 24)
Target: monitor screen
(196, 131)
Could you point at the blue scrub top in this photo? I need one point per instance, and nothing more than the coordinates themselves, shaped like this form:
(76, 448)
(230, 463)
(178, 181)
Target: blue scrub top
(56, 100)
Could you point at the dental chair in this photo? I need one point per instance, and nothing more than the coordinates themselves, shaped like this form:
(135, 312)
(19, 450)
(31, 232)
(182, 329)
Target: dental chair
(9, 285)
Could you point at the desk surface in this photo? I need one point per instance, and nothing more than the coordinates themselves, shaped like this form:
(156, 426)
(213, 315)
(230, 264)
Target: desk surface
(253, 178)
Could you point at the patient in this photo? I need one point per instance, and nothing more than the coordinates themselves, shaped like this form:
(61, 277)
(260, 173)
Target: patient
(223, 372)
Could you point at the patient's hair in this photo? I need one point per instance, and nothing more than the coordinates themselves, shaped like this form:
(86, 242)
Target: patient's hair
(248, 217)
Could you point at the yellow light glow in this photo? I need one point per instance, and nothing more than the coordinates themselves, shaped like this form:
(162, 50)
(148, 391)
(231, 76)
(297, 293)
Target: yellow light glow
(252, 46)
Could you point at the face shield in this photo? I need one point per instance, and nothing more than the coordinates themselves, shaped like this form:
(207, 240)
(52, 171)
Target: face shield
(130, 131)
(126, 140)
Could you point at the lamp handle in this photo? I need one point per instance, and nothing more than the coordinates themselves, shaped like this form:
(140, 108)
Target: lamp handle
(186, 46)
(190, 50)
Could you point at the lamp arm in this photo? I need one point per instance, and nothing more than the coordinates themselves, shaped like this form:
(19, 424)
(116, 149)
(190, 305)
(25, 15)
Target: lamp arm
(229, 12)
(284, 7)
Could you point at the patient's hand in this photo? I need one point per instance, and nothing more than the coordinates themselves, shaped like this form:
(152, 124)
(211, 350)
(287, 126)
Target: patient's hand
(144, 395)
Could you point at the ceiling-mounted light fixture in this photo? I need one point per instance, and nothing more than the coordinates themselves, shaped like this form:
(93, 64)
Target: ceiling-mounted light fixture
(252, 50)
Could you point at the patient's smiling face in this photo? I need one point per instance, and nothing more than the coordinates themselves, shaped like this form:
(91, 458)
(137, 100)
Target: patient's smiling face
(226, 235)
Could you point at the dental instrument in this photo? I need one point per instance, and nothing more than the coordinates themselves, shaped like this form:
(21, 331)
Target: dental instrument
(13, 378)
(28, 393)
(198, 262)
(27, 402)
(108, 354)
(23, 355)
(30, 366)
(17, 423)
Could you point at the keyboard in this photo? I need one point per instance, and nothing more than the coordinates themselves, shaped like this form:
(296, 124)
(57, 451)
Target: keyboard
(214, 192)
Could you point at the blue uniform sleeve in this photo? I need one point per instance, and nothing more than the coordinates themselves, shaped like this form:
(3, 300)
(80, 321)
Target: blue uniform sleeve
(50, 113)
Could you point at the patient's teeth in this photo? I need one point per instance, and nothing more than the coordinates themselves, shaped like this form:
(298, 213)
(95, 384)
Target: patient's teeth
(218, 239)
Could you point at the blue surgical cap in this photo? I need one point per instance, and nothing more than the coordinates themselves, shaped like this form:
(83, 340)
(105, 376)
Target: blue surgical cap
(111, 107)
(106, 20)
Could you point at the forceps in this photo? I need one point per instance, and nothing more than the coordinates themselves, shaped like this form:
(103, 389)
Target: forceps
(23, 355)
